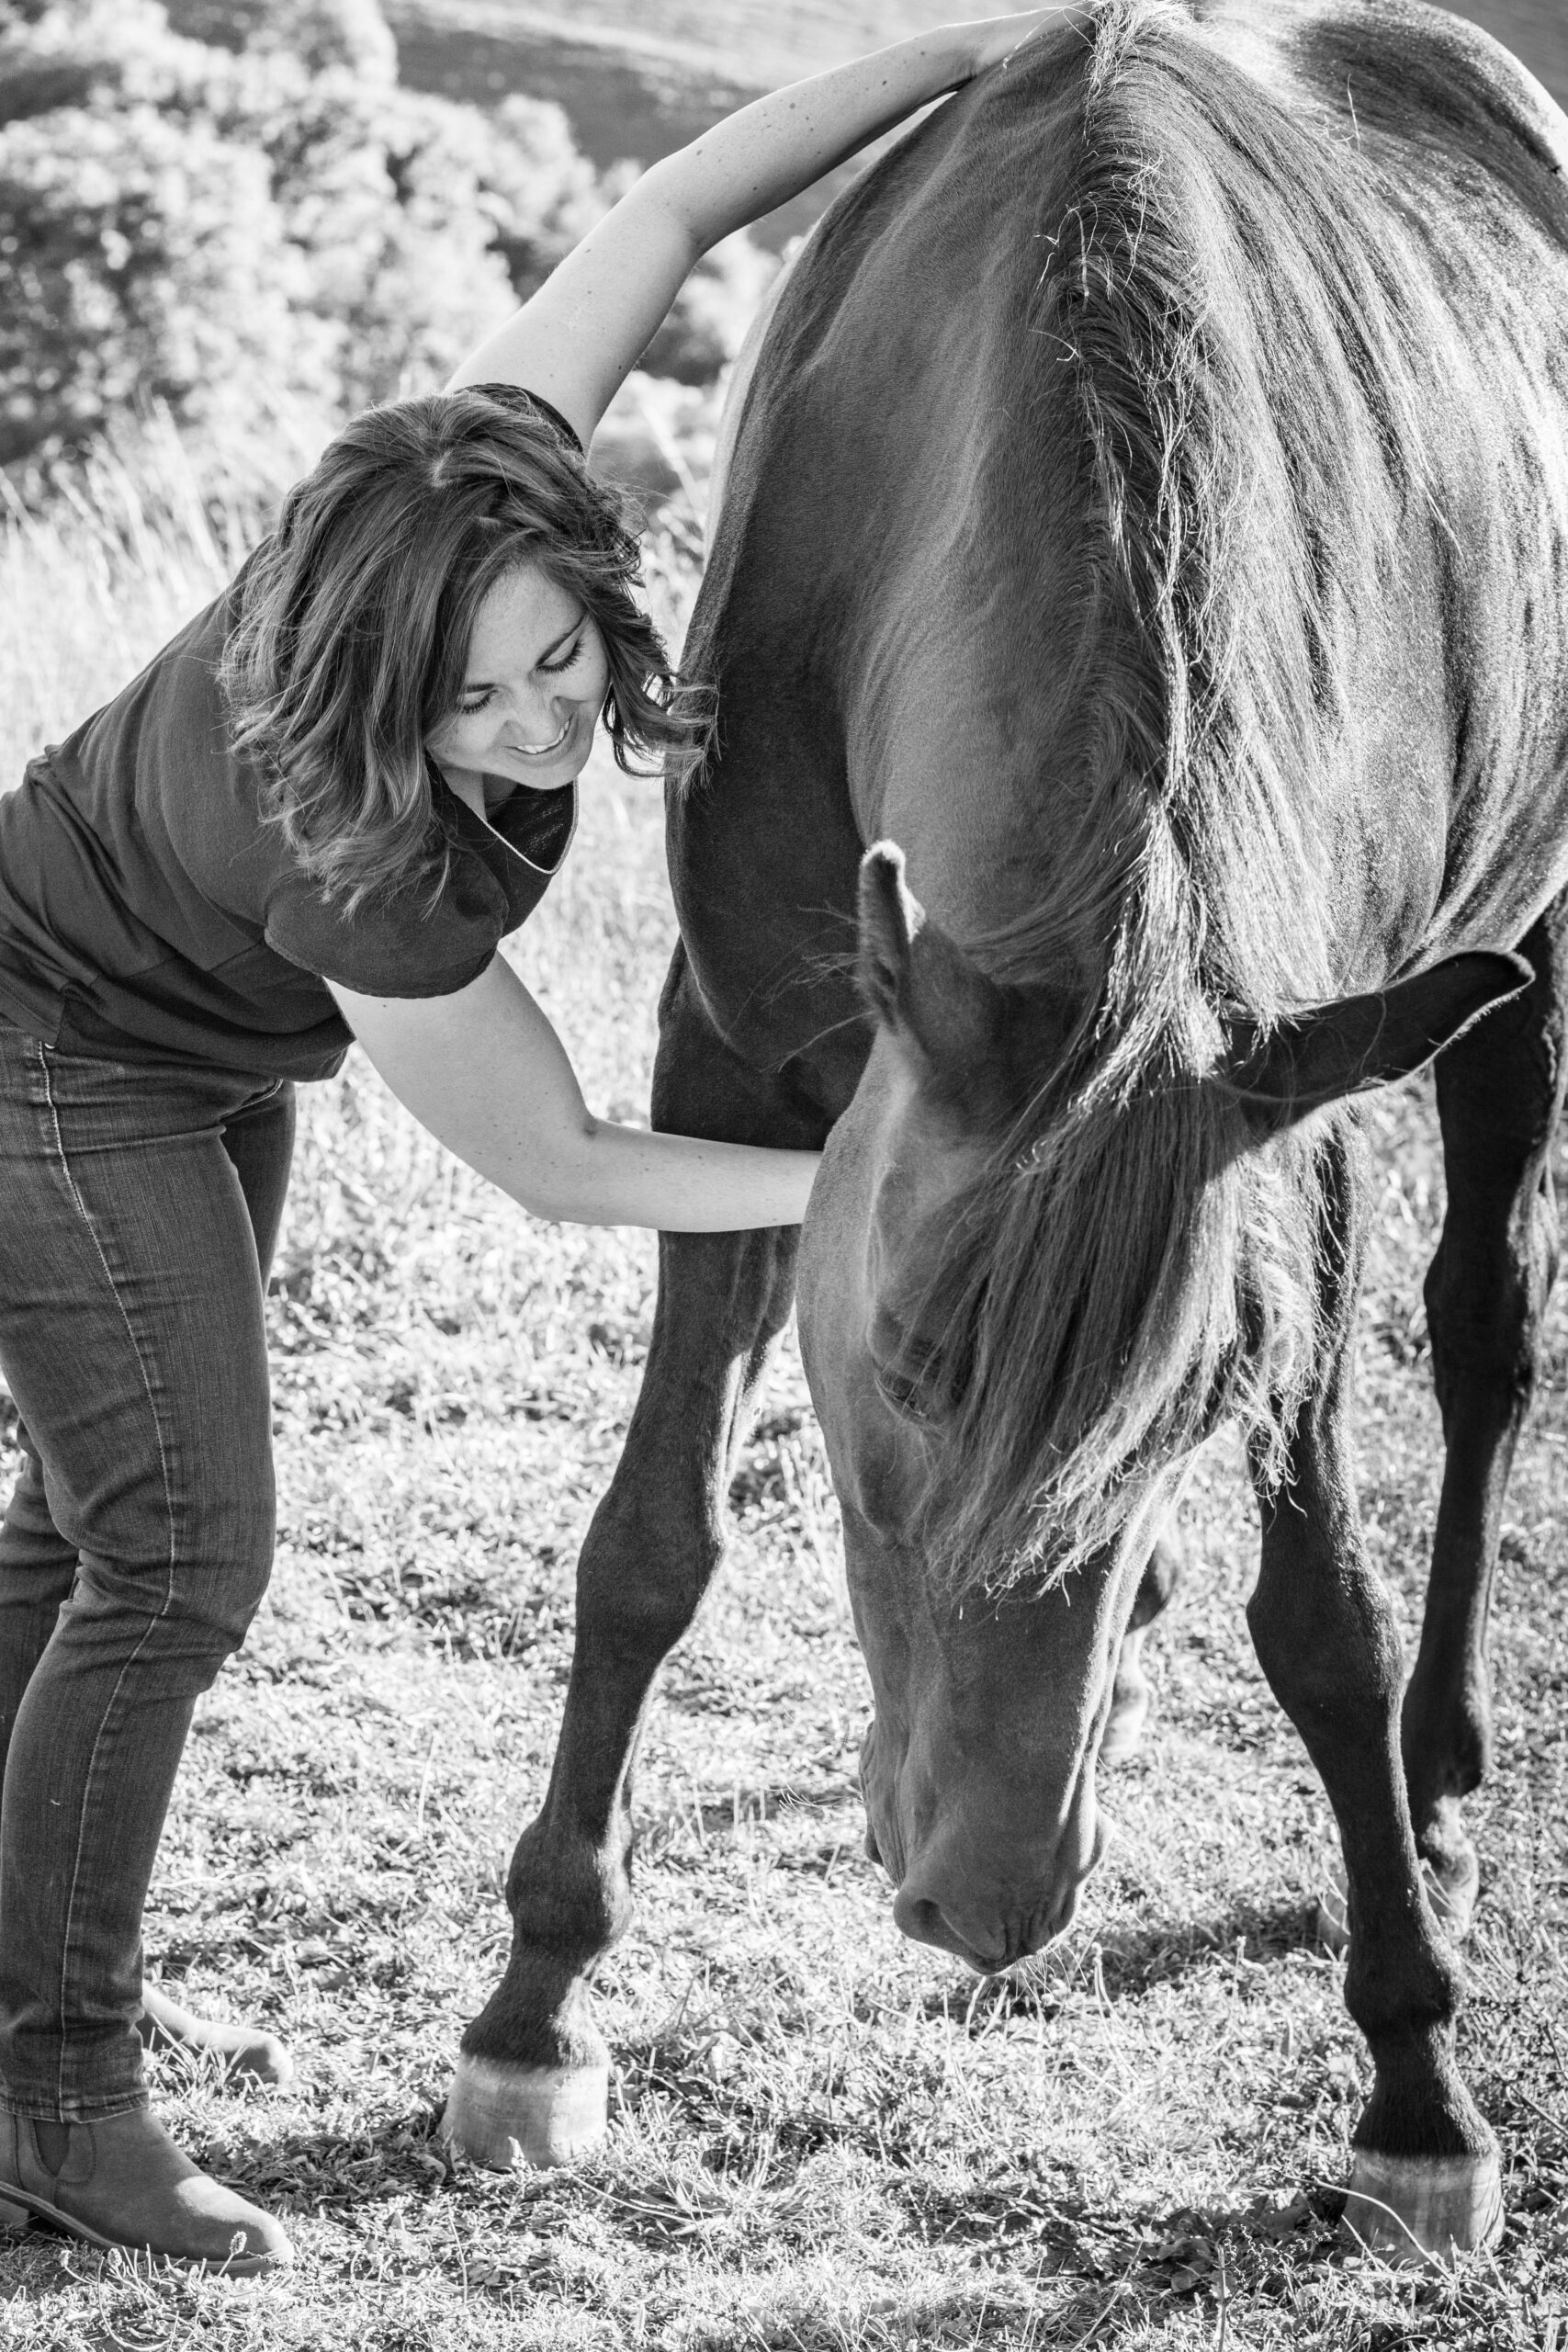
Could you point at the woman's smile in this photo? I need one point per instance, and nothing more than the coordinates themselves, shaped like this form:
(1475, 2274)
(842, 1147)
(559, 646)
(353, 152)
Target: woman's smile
(540, 750)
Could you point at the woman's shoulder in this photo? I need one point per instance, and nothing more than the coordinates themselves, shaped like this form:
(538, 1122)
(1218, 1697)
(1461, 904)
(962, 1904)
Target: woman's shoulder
(402, 939)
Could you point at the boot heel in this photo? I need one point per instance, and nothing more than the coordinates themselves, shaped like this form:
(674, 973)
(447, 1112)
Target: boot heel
(14, 2219)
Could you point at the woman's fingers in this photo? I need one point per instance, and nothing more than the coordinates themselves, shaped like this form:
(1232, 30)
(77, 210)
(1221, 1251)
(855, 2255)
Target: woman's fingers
(1002, 37)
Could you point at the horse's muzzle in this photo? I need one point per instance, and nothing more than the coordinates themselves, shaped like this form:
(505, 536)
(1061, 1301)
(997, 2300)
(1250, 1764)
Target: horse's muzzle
(991, 1901)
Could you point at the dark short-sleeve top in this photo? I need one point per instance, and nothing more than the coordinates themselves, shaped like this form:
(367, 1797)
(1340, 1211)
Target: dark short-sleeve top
(149, 910)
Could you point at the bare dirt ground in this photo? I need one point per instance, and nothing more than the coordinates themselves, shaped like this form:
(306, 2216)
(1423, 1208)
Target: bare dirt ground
(822, 2137)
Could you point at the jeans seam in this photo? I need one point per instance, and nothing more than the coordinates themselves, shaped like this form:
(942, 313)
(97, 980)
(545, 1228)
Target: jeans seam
(83, 1212)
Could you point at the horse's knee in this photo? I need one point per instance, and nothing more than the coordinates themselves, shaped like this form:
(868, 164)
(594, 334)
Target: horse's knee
(1331, 1646)
(640, 1580)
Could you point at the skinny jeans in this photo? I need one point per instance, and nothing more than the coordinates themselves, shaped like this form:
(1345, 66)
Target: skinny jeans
(139, 1207)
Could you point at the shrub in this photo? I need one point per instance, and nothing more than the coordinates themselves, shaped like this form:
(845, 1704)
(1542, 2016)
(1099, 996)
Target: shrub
(219, 228)
(246, 219)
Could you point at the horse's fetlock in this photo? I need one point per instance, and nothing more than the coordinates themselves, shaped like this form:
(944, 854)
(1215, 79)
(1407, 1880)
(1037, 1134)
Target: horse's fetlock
(1407, 2016)
(1420, 2105)
(568, 1920)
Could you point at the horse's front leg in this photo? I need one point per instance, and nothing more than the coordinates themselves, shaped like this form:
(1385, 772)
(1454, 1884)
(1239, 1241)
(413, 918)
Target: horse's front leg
(534, 2071)
(1426, 2176)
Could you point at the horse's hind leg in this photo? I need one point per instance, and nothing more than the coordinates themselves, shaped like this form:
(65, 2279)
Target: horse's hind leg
(1131, 1697)
(533, 2077)
(1499, 1092)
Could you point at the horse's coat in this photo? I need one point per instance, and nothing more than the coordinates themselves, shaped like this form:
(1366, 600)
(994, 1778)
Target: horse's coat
(1149, 509)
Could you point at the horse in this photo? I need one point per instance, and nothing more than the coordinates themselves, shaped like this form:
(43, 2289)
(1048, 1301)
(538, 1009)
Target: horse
(1138, 618)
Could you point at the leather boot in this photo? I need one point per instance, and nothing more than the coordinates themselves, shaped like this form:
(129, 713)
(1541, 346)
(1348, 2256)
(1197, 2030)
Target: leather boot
(124, 2183)
(245, 2049)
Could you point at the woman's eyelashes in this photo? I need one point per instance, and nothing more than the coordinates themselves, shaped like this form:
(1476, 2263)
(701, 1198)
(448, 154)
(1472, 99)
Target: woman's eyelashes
(546, 668)
(554, 669)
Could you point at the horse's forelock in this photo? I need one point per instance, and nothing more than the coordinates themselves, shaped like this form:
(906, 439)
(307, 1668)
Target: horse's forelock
(1113, 1290)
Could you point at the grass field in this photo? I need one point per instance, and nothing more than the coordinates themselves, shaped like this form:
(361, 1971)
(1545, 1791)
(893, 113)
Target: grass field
(822, 2138)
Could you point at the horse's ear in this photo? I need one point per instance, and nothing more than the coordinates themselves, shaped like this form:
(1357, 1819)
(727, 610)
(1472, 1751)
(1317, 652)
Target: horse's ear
(1363, 1041)
(920, 984)
(890, 919)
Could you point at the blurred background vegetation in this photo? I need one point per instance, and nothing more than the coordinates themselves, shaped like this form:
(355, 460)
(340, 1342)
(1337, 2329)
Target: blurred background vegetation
(233, 219)
(248, 217)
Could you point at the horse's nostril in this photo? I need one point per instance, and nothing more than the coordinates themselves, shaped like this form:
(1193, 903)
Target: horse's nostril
(925, 1922)
(920, 1920)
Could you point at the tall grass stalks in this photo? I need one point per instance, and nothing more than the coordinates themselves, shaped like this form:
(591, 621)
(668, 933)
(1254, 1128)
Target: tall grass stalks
(130, 544)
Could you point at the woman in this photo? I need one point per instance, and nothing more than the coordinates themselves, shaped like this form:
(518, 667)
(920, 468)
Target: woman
(313, 816)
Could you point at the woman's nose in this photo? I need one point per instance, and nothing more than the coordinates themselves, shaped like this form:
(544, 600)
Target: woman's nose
(535, 718)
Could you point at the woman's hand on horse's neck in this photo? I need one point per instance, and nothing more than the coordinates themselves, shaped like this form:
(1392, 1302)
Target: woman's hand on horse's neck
(579, 338)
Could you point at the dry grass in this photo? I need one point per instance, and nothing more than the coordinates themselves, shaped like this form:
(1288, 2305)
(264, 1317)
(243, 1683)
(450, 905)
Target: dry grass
(822, 2137)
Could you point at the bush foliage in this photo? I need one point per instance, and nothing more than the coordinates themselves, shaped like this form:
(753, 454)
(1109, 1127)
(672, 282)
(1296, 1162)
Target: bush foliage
(248, 217)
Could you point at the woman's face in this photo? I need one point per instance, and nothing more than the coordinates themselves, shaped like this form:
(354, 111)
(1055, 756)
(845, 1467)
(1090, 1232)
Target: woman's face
(533, 688)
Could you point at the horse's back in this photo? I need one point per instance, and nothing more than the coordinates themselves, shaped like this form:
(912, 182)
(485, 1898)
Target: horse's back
(1417, 72)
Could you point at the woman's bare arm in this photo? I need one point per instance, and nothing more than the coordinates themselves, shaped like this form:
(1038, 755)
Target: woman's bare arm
(484, 1070)
(583, 331)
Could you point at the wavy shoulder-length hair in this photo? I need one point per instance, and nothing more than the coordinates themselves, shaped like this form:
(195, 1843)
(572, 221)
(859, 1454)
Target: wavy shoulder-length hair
(357, 613)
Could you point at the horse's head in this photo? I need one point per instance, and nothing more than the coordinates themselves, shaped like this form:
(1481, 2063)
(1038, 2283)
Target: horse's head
(979, 1769)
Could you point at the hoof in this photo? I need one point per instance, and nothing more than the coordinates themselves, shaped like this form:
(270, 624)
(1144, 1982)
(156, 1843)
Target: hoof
(500, 2116)
(1130, 1702)
(1416, 2211)
(1453, 1909)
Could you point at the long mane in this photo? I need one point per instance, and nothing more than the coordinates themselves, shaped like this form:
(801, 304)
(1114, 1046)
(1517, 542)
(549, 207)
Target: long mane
(1232, 320)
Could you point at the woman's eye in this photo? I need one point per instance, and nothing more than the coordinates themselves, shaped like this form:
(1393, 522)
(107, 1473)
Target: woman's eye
(554, 669)
(470, 709)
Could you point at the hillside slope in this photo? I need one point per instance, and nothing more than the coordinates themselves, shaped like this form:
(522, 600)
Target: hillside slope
(638, 76)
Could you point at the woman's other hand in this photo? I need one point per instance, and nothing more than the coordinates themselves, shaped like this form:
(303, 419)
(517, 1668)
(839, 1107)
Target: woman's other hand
(998, 38)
